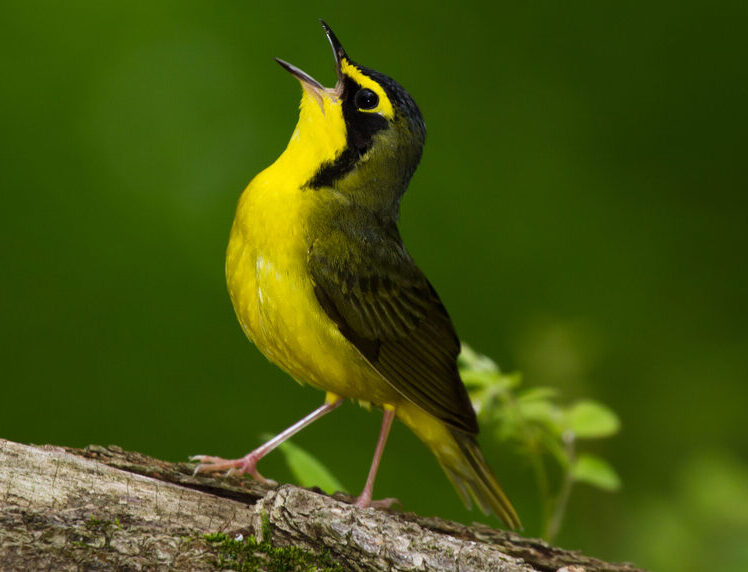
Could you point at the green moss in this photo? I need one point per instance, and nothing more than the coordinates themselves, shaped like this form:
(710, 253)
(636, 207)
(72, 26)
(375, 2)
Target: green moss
(102, 524)
(104, 527)
(251, 554)
(267, 530)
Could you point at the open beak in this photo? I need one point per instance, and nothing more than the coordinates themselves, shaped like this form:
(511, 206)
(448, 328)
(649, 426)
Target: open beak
(337, 51)
(312, 85)
(305, 79)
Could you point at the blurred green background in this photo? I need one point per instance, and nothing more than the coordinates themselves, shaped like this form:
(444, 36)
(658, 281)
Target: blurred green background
(581, 208)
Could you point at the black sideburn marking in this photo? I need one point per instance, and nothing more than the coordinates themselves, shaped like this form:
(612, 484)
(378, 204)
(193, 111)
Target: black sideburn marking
(360, 130)
(331, 171)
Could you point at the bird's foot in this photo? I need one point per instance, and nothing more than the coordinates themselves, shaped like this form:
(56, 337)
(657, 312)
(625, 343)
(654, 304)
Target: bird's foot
(362, 502)
(246, 465)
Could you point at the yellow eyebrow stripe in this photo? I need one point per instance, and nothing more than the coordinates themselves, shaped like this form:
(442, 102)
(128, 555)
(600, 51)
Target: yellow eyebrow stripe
(384, 108)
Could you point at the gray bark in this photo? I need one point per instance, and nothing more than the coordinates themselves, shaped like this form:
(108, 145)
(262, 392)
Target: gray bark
(68, 509)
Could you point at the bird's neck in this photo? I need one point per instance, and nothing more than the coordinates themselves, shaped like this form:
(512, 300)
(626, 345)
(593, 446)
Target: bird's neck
(319, 137)
(317, 157)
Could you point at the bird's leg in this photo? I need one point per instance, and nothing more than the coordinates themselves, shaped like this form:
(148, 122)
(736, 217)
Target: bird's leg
(364, 499)
(248, 463)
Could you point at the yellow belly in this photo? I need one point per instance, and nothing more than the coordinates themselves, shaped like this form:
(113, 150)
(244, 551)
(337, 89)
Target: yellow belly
(274, 299)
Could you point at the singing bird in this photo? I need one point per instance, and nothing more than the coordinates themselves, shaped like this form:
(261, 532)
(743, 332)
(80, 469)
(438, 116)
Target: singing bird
(322, 284)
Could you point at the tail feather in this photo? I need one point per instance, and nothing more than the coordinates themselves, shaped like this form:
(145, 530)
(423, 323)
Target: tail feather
(474, 476)
(461, 458)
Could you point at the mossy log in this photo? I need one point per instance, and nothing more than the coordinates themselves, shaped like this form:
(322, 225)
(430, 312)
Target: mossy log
(71, 509)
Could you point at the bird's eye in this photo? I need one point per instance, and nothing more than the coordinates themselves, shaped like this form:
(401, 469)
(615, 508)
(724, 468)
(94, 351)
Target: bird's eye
(366, 99)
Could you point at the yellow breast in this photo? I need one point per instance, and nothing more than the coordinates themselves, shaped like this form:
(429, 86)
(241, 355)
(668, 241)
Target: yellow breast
(273, 294)
(266, 264)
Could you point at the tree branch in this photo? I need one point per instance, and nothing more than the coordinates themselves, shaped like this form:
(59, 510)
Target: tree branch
(69, 509)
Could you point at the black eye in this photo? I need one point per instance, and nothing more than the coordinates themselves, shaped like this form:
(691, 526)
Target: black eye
(366, 99)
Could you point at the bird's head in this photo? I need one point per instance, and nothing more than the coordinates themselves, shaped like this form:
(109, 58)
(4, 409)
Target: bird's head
(363, 138)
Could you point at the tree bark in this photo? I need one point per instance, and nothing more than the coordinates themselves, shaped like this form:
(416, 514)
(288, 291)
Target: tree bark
(70, 509)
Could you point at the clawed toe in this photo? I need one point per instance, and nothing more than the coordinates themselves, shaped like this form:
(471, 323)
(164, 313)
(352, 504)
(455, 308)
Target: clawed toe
(246, 465)
(385, 503)
(362, 502)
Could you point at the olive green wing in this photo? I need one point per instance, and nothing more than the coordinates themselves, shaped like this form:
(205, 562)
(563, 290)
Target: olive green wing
(383, 304)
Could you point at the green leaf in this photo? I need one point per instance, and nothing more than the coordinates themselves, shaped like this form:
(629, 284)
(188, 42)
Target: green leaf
(479, 379)
(307, 470)
(597, 472)
(539, 411)
(469, 359)
(496, 383)
(589, 420)
(542, 414)
(537, 393)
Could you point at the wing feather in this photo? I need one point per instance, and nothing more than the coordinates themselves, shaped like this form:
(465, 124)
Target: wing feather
(385, 306)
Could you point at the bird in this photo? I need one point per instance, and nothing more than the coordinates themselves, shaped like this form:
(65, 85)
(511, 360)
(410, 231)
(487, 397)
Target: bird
(323, 285)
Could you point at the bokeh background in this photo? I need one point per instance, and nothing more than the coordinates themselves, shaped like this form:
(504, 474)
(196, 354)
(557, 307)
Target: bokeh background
(581, 208)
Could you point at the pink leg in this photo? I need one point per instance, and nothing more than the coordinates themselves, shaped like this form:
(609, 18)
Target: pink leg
(364, 500)
(248, 463)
